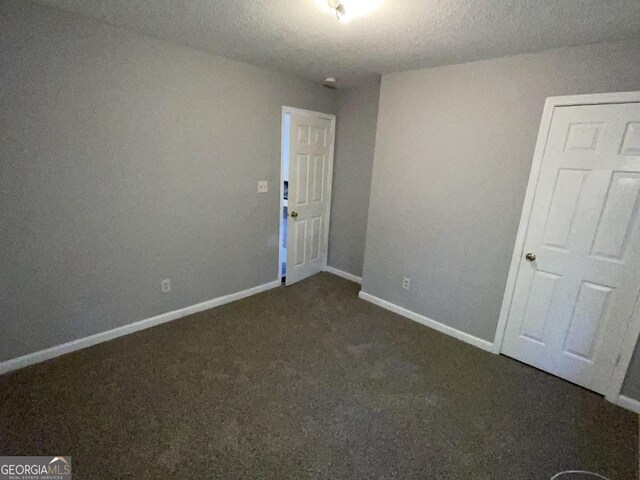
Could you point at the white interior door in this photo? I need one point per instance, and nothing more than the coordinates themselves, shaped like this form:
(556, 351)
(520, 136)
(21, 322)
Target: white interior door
(310, 159)
(573, 302)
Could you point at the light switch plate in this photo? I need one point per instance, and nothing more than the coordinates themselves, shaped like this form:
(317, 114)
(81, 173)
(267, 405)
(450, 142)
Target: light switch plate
(263, 186)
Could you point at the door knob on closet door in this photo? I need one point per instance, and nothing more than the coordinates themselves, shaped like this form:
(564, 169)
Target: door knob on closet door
(294, 214)
(530, 257)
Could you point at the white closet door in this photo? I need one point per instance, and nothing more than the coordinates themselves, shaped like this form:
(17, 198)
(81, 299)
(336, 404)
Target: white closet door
(573, 302)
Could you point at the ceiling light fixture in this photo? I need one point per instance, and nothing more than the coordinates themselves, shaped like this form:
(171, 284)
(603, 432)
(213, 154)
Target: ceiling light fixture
(346, 10)
(341, 12)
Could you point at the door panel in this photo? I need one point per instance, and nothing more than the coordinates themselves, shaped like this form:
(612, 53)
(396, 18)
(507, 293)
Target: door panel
(572, 305)
(584, 329)
(308, 194)
(563, 207)
(316, 231)
(614, 227)
(318, 178)
(536, 313)
(300, 239)
(301, 177)
(631, 142)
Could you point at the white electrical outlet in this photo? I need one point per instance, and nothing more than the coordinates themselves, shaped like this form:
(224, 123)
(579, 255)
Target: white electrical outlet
(406, 283)
(165, 285)
(263, 186)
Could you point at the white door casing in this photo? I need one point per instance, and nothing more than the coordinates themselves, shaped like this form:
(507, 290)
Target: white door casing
(310, 171)
(571, 311)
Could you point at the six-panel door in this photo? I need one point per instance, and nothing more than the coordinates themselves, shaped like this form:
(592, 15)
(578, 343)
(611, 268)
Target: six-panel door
(572, 305)
(311, 141)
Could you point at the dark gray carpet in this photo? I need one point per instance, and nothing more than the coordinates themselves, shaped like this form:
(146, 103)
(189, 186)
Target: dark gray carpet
(308, 382)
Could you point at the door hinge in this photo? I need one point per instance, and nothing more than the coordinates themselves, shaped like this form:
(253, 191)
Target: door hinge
(618, 360)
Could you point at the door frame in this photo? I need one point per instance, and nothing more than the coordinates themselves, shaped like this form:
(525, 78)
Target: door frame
(325, 242)
(633, 330)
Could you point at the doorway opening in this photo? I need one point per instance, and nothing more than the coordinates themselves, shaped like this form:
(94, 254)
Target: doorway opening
(305, 193)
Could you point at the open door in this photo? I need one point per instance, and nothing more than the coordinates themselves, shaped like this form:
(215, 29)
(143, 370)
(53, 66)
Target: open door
(309, 192)
(579, 273)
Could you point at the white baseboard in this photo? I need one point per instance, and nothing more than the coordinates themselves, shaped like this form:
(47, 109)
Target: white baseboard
(416, 317)
(343, 274)
(628, 403)
(58, 350)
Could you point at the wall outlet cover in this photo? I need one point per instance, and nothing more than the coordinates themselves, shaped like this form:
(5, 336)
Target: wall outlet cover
(406, 283)
(263, 186)
(165, 285)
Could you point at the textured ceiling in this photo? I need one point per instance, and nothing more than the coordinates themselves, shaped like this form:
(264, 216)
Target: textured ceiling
(299, 37)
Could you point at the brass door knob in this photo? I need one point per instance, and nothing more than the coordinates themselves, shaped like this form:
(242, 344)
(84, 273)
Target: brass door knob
(294, 214)
(530, 257)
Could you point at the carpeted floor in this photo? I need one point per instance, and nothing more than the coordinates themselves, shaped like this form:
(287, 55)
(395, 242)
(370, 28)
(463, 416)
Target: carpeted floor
(308, 382)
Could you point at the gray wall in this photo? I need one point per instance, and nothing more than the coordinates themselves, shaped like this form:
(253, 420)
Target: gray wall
(125, 160)
(452, 159)
(355, 142)
(631, 387)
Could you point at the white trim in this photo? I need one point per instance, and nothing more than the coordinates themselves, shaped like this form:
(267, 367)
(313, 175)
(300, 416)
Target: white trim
(302, 111)
(281, 209)
(58, 350)
(341, 273)
(633, 330)
(332, 119)
(440, 327)
(628, 403)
